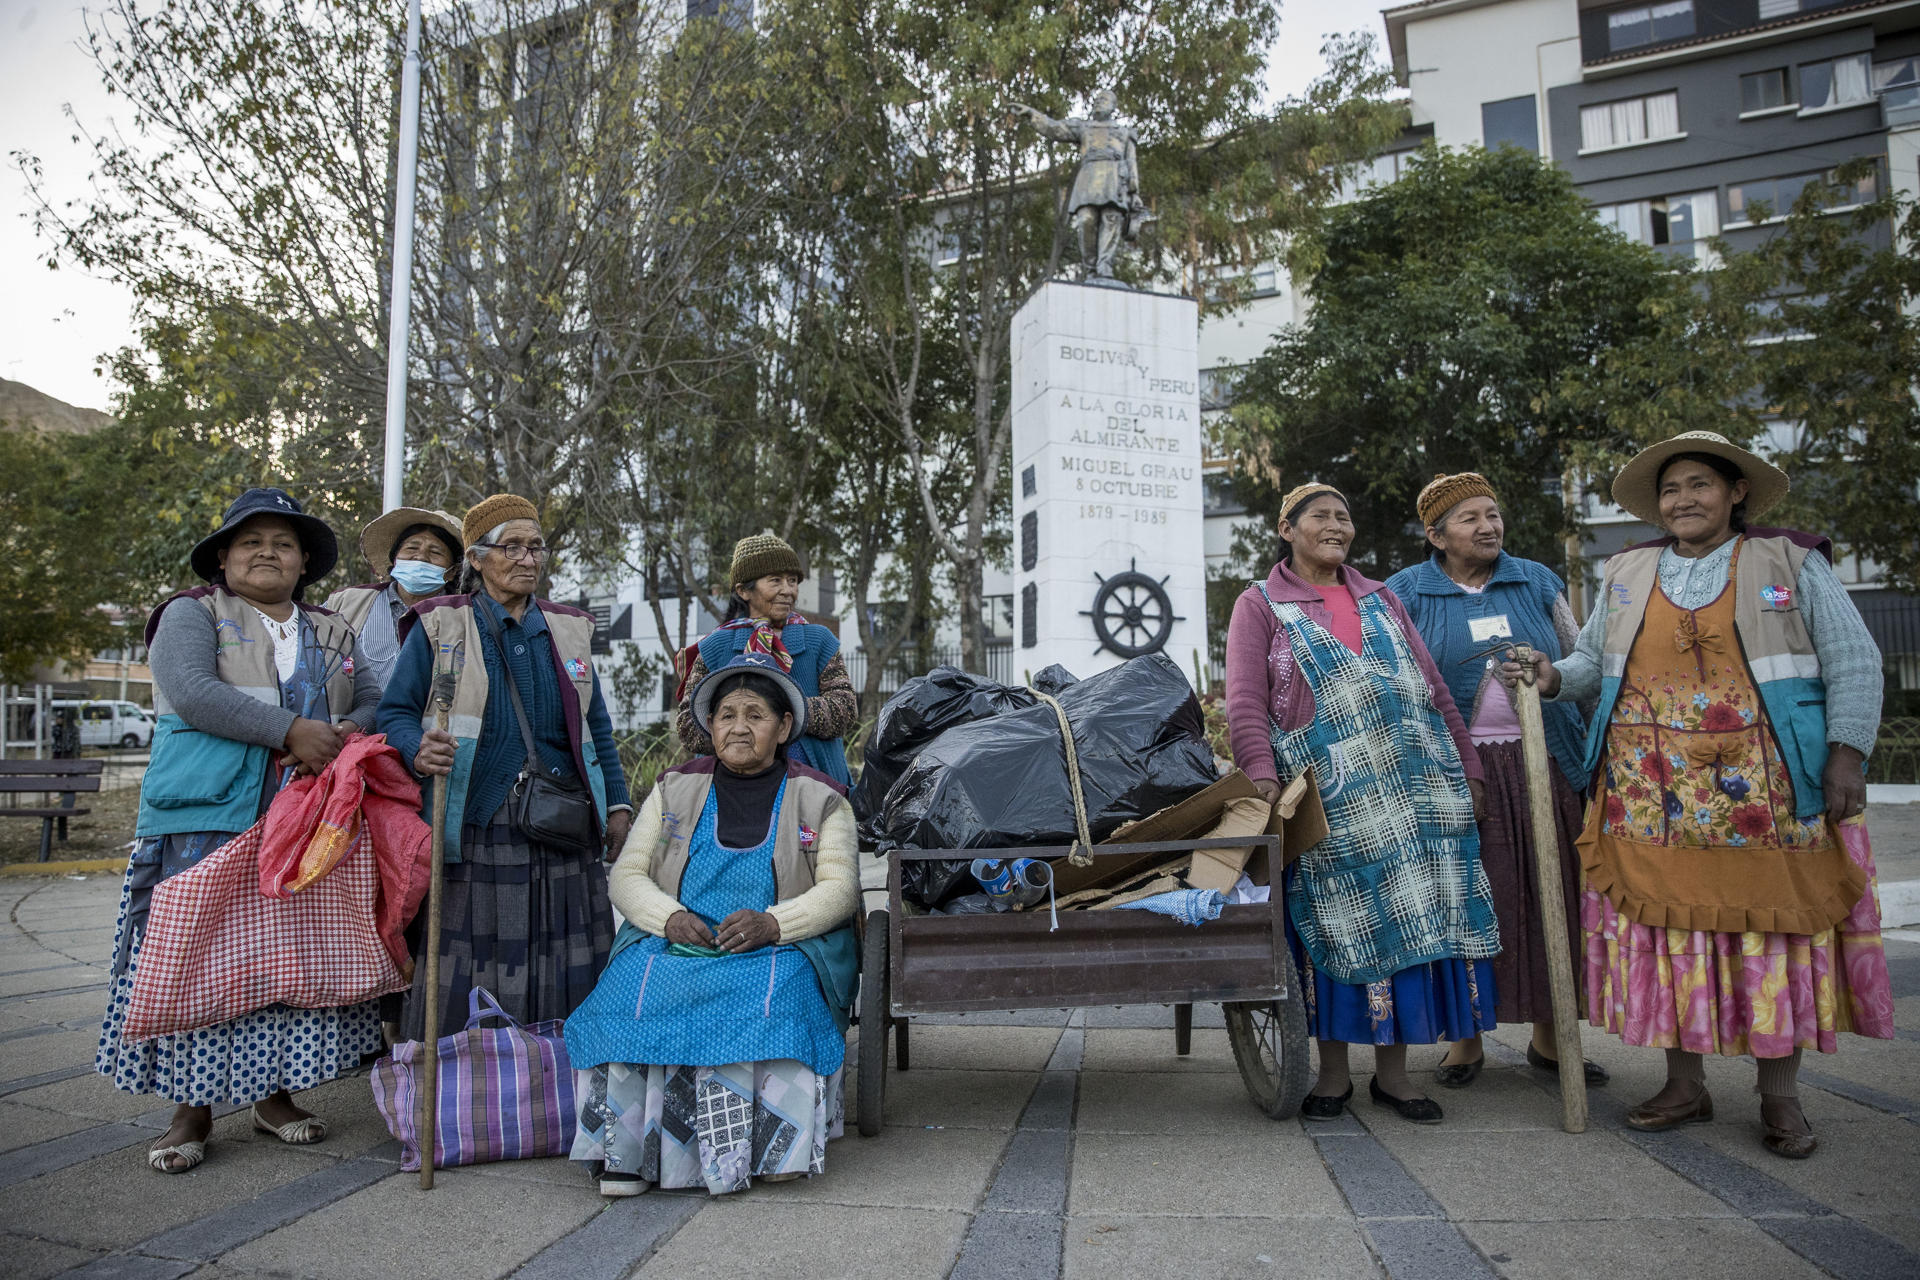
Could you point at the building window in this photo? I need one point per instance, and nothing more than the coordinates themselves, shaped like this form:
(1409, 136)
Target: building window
(1766, 198)
(1381, 170)
(1221, 283)
(1511, 122)
(1029, 541)
(1630, 121)
(1841, 82)
(1898, 82)
(1649, 24)
(1763, 91)
(1680, 219)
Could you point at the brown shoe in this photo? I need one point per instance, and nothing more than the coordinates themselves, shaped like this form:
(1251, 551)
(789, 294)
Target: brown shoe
(1788, 1144)
(1653, 1115)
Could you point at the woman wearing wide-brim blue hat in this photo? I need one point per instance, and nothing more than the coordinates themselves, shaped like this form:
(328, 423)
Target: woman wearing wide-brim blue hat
(732, 976)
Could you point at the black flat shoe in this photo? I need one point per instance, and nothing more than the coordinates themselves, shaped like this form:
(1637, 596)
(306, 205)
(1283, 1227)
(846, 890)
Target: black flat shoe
(1417, 1110)
(1596, 1074)
(1318, 1106)
(1459, 1075)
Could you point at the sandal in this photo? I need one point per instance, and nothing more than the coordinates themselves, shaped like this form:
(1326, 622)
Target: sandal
(192, 1153)
(303, 1132)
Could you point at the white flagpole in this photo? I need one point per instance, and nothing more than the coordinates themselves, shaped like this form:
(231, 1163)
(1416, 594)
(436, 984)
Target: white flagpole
(402, 287)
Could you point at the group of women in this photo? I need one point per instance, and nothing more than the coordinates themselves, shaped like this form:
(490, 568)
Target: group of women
(736, 895)
(1718, 883)
(1707, 815)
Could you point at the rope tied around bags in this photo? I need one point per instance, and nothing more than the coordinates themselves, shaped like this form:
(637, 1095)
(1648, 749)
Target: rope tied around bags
(1082, 854)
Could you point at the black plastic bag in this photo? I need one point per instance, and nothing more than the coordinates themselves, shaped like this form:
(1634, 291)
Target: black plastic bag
(1002, 782)
(924, 708)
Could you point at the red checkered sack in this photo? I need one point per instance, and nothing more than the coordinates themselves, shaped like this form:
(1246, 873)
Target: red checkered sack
(214, 949)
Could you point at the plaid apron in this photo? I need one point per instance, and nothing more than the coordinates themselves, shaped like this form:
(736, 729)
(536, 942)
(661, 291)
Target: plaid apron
(1398, 881)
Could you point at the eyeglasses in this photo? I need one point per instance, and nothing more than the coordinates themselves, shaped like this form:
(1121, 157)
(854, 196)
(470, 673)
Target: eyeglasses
(517, 552)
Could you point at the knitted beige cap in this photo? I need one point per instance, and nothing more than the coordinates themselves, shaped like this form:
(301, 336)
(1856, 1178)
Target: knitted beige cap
(756, 556)
(1443, 493)
(489, 513)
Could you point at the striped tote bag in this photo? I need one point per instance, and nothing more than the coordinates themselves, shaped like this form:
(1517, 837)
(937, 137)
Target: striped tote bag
(506, 1092)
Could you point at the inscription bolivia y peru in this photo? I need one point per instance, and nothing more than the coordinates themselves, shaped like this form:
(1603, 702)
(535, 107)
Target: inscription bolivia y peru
(1106, 439)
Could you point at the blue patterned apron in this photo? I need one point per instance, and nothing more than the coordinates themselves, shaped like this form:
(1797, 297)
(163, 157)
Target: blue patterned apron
(1397, 882)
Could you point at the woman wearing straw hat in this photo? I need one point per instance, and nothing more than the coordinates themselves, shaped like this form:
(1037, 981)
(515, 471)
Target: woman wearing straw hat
(250, 683)
(412, 552)
(1393, 919)
(1728, 908)
(1468, 595)
(710, 1053)
(525, 913)
(765, 582)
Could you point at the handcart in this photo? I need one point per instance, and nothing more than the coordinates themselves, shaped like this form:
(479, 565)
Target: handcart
(932, 964)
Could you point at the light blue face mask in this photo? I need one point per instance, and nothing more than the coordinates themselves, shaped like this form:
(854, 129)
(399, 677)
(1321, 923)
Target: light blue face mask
(418, 577)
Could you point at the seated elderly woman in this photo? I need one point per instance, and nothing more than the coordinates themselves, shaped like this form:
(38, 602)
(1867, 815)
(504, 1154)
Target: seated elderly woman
(711, 1051)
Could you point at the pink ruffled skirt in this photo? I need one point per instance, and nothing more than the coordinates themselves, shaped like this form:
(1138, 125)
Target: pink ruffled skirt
(1766, 994)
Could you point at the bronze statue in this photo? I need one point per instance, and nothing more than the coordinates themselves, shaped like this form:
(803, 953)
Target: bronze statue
(1105, 205)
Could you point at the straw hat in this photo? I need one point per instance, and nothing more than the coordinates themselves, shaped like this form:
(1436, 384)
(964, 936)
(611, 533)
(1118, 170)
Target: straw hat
(377, 539)
(1637, 487)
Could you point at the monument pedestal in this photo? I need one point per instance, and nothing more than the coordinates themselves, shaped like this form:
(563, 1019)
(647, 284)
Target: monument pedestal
(1109, 557)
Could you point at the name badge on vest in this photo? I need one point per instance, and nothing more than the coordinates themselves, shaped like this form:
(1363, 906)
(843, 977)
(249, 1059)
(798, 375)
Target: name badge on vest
(1777, 597)
(576, 668)
(1492, 627)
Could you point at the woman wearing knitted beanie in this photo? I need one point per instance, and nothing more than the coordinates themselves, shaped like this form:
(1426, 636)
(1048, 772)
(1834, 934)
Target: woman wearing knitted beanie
(1470, 594)
(765, 581)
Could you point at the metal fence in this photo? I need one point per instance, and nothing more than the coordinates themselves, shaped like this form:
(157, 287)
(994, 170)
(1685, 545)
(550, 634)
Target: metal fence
(911, 662)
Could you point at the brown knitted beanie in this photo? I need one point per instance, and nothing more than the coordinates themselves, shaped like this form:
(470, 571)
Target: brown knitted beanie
(1301, 494)
(1443, 493)
(489, 513)
(760, 554)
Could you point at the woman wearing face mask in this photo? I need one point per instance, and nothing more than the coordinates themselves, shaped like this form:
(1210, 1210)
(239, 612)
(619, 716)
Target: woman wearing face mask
(1729, 907)
(711, 1051)
(411, 551)
(1466, 597)
(251, 685)
(766, 580)
(1392, 915)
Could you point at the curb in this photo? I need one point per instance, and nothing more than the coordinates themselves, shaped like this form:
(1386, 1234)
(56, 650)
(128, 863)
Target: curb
(1892, 793)
(1899, 903)
(78, 865)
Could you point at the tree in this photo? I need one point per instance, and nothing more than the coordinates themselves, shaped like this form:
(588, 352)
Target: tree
(928, 91)
(59, 559)
(1454, 326)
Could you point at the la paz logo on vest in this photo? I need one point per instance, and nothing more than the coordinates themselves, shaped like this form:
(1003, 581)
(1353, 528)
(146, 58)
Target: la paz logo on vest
(1777, 596)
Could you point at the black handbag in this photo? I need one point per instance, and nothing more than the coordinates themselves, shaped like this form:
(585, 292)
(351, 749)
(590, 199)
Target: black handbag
(553, 812)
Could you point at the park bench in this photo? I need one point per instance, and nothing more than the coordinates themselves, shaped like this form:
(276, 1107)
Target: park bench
(66, 777)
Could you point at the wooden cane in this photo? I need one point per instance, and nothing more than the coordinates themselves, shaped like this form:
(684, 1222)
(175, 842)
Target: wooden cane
(427, 1068)
(1553, 901)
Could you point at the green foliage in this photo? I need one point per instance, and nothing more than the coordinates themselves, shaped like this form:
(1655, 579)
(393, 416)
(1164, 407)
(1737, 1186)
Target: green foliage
(1454, 324)
(60, 560)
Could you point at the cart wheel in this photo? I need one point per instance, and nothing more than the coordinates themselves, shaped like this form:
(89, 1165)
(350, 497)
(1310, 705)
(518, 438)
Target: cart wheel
(871, 1100)
(1269, 1041)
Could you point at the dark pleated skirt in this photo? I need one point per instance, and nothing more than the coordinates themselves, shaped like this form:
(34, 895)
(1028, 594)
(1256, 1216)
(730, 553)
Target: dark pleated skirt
(531, 926)
(1506, 850)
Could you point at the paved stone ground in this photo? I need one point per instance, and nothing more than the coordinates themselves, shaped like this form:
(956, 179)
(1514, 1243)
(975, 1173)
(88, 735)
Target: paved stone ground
(1034, 1145)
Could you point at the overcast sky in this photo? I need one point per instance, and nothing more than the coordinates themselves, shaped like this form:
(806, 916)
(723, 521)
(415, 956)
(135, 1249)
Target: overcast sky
(56, 325)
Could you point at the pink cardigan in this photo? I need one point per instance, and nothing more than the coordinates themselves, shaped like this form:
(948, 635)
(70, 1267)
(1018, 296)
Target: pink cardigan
(1262, 680)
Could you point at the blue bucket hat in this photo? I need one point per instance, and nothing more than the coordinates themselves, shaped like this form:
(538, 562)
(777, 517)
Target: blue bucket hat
(316, 539)
(763, 664)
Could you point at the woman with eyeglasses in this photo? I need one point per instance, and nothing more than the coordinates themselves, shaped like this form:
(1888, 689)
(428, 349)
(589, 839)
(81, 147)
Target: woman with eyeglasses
(536, 797)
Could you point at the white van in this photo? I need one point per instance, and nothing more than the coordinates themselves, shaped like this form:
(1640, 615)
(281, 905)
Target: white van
(111, 723)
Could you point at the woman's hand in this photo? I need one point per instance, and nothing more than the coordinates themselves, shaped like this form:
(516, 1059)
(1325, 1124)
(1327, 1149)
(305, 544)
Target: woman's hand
(435, 756)
(1478, 790)
(314, 743)
(746, 930)
(1845, 782)
(618, 824)
(689, 930)
(1268, 788)
(1545, 678)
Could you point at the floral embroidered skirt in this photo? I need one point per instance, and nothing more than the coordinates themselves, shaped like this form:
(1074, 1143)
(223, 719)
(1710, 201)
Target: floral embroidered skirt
(1735, 993)
(712, 1127)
